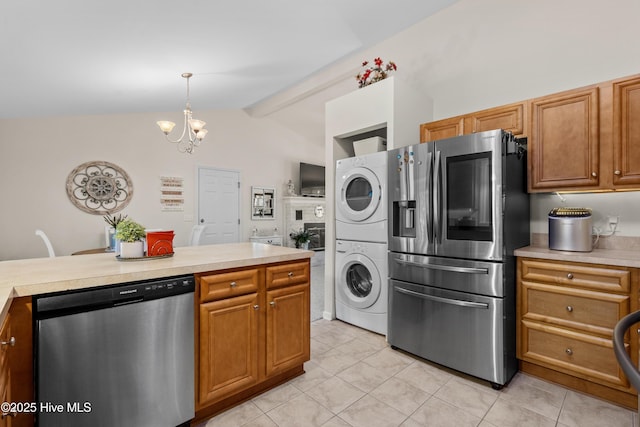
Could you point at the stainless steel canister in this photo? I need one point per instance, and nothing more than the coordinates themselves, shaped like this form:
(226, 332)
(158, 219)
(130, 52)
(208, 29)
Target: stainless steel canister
(570, 229)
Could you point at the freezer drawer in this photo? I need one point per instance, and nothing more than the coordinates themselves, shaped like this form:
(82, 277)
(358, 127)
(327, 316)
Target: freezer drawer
(476, 277)
(462, 331)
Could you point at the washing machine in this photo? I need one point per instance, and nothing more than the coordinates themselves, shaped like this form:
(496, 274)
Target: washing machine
(361, 198)
(361, 284)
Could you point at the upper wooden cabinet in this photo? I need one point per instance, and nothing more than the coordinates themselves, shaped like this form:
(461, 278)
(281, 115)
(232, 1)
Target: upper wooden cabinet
(626, 132)
(508, 117)
(564, 141)
(441, 129)
(511, 118)
(585, 139)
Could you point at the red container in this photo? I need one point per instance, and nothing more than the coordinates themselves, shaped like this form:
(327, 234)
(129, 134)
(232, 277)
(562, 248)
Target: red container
(159, 243)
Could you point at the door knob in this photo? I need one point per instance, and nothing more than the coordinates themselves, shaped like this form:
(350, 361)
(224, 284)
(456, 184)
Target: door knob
(569, 308)
(569, 351)
(617, 172)
(201, 220)
(255, 307)
(233, 284)
(569, 276)
(272, 303)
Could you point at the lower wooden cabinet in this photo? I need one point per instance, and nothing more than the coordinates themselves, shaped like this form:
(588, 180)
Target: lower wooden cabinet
(228, 346)
(566, 315)
(5, 373)
(253, 331)
(288, 315)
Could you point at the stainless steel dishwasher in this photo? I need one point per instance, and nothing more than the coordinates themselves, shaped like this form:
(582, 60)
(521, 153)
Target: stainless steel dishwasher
(116, 356)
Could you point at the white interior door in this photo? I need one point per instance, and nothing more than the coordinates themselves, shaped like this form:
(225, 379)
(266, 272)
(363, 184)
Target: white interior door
(219, 205)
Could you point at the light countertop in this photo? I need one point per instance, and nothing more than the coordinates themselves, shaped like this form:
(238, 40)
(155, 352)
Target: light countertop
(29, 277)
(622, 258)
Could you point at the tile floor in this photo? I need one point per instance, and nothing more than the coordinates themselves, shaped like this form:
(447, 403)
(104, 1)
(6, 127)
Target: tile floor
(355, 379)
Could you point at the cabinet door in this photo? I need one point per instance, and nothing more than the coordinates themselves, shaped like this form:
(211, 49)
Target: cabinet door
(5, 378)
(288, 326)
(626, 132)
(508, 117)
(228, 347)
(564, 141)
(441, 129)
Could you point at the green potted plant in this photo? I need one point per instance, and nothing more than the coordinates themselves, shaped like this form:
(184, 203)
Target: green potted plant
(301, 238)
(130, 234)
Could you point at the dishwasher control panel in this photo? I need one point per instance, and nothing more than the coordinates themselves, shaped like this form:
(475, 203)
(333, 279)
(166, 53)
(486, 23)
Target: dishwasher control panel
(113, 295)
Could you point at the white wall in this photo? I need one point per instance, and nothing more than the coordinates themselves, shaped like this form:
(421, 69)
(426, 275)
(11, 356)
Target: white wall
(38, 154)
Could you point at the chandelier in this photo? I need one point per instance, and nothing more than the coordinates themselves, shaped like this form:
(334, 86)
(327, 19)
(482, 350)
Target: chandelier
(193, 131)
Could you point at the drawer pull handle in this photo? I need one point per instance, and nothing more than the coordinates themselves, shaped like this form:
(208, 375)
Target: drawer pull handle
(617, 172)
(594, 174)
(272, 303)
(256, 307)
(9, 414)
(569, 351)
(569, 308)
(290, 274)
(233, 284)
(569, 276)
(11, 342)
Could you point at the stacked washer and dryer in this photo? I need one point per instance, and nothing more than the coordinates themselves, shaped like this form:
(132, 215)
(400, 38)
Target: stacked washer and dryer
(361, 241)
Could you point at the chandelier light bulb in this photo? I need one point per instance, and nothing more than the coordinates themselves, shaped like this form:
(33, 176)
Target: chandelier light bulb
(201, 134)
(166, 126)
(196, 125)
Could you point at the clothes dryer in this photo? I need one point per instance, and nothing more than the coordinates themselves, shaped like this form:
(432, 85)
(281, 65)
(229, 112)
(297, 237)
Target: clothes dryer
(361, 198)
(361, 284)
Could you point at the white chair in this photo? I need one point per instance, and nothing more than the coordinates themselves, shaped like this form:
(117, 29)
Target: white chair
(196, 234)
(47, 242)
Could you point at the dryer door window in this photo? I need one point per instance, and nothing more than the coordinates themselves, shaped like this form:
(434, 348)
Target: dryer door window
(360, 284)
(360, 195)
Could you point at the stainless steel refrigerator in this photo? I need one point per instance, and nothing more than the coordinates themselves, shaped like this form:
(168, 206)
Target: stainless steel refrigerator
(458, 208)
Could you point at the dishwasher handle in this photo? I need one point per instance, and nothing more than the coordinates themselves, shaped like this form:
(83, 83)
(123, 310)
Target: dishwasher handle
(457, 302)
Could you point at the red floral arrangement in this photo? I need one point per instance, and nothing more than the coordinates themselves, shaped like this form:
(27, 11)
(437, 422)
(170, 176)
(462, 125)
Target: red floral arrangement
(375, 73)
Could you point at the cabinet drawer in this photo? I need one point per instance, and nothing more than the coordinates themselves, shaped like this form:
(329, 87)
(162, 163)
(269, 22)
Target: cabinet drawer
(593, 312)
(225, 285)
(607, 279)
(582, 355)
(287, 274)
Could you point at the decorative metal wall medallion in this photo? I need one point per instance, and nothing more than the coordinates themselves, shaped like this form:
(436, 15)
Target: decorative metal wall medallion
(99, 188)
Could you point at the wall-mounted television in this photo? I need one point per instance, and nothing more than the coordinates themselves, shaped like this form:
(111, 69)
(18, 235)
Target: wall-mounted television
(311, 180)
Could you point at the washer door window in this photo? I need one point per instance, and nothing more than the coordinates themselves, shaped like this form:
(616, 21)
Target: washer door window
(360, 195)
(360, 283)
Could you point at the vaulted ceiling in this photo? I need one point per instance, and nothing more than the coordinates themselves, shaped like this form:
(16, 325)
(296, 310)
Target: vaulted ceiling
(74, 57)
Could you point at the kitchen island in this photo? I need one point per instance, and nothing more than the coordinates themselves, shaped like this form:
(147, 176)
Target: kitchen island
(270, 284)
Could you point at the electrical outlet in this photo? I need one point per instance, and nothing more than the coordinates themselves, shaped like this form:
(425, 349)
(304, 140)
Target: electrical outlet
(613, 221)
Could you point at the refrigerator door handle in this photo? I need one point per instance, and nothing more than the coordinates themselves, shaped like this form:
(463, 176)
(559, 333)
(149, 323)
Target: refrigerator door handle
(454, 269)
(430, 210)
(437, 200)
(443, 300)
